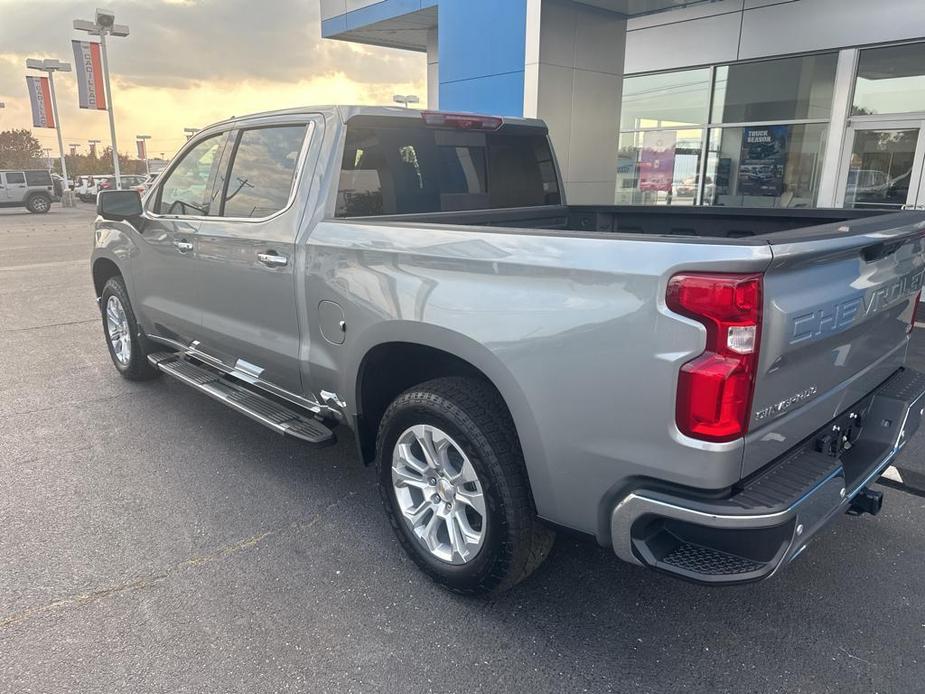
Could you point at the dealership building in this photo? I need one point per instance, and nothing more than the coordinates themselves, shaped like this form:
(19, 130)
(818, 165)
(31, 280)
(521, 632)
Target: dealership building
(760, 103)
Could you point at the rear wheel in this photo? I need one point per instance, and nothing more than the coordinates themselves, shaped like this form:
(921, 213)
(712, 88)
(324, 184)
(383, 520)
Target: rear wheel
(127, 346)
(454, 486)
(38, 204)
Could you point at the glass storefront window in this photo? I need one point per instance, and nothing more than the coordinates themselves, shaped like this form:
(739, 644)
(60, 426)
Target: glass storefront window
(786, 89)
(764, 165)
(665, 100)
(881, 167)
(659, 167)
(890, 80)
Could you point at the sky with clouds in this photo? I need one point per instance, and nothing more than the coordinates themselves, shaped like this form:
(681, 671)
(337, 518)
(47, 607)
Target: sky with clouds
(188, 63)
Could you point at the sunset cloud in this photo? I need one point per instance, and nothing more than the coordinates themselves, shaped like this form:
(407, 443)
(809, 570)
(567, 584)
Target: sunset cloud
(188, 63)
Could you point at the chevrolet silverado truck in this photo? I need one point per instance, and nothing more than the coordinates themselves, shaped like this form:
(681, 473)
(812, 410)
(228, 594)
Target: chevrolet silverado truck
(701, 389)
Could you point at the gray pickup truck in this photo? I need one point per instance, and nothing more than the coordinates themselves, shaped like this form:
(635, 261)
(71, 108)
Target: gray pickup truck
(701, 389)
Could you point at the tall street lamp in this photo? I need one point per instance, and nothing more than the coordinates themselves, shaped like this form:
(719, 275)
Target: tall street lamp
(50, 66)
(105, 25)
(406, 99)
(190, 132)
(93, 144)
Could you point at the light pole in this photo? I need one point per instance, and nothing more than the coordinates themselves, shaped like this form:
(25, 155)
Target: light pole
(50, 66)
(143, 149)
(190, 132)
(406, 99)
(104, 25)
(93, 144)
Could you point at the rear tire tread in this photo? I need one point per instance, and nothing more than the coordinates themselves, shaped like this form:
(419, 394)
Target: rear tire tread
(479, 411)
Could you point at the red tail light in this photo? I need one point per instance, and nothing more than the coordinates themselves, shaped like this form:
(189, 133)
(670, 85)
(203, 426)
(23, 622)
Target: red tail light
(464, 121)
(715, 390)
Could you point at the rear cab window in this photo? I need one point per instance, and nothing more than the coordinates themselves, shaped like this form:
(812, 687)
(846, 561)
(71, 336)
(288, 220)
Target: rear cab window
(392, 168)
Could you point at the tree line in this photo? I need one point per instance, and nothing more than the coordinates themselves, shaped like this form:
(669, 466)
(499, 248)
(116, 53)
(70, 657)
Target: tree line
(19, 149)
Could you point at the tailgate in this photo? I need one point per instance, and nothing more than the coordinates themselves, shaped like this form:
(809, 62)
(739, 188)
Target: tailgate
(838, 305)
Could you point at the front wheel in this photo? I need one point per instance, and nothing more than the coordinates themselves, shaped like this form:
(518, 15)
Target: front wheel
(125, 342)
(454, 486)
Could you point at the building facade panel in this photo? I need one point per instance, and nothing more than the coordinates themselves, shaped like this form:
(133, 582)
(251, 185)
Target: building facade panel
(763, 103)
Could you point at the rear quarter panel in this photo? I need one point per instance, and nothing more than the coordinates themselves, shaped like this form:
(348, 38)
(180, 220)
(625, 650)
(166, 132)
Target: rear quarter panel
(572, 330)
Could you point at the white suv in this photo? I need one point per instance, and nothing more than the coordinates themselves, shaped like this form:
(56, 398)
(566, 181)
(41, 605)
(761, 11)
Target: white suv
(32, 189)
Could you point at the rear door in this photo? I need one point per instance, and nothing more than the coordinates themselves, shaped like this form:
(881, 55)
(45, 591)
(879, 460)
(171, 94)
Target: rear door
(247, 258)
(165, 277)
(14, 186)
(838, 310)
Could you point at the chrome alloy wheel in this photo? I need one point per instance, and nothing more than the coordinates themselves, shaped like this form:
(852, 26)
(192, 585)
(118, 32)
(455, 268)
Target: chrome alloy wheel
(439, 494)
(118, 331)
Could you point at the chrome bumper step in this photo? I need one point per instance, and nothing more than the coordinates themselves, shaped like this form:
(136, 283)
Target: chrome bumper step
(279, 417)
(769, 518)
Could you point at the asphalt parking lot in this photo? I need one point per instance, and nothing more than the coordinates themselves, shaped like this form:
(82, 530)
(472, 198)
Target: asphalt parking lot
(151, 540)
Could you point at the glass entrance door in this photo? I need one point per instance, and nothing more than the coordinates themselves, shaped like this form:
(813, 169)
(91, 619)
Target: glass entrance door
(883, 165)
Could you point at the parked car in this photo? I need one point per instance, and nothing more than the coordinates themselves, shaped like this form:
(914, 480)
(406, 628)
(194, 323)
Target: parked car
(88, 188)
(147, 183)
(57, 183)
(701, 389)
(94, 184)
(32, 189)
(126, 182)
(687, 188)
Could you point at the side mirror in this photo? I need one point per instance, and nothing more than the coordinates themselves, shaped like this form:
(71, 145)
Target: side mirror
(119, 205)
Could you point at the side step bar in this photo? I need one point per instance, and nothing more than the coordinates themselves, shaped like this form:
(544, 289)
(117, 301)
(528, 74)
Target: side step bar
(278, 417)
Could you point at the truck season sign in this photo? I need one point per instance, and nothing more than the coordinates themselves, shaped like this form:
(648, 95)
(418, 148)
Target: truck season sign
(89, 67)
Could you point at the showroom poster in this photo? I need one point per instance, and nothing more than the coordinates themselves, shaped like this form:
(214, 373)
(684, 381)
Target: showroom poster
(656, 161)
(764, 156)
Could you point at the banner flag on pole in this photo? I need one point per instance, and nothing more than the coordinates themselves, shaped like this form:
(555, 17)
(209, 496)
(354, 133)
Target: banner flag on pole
(40, 98)
(142, 154)
(89, 68)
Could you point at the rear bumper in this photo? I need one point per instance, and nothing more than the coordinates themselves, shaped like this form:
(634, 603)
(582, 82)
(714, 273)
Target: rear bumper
(771, 516)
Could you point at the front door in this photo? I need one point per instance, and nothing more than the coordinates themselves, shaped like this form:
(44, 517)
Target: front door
(883, 165)
(247, 256)
(166, 281)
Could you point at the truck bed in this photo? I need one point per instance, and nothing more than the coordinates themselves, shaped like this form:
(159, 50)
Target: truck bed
(703, 222)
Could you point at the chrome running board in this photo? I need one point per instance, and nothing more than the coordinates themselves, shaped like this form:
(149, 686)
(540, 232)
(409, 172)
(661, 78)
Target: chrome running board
(279, 417)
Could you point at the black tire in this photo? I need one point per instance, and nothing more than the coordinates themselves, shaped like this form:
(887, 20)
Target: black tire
(473, 414)
(137, 368)
(38, 203)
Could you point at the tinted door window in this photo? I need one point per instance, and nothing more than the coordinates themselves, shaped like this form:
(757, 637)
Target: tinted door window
(409, 169)
(15, 178)
(262, 171)
(185, 190)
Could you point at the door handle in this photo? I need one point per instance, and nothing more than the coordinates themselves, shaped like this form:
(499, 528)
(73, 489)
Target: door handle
(273, 259)
(184, 246)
